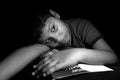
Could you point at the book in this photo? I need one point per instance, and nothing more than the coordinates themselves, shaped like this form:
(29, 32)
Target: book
(79, 69)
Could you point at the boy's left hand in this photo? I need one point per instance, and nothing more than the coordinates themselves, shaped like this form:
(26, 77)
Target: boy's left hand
(59, 60)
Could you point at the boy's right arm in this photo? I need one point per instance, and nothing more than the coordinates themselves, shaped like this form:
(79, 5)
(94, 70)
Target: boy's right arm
(19, 59)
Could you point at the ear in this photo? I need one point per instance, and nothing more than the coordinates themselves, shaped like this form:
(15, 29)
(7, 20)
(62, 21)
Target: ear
(54, 13)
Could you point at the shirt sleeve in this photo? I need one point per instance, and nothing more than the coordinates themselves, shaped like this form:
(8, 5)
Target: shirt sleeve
(88, 33)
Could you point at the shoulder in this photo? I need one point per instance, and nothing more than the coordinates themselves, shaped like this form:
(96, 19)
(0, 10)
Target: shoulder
(76, 21)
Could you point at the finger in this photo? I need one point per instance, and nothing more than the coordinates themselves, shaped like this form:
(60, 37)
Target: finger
(53, 69)
(55, 51)
(49, 53)
(40, 67)
(46, 54)
(51, 64)
(43, 63)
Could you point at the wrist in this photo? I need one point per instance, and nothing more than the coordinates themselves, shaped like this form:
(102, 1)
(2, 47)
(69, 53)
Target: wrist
(79, 54)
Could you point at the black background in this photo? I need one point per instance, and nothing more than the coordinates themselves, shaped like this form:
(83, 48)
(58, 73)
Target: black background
(17, 21)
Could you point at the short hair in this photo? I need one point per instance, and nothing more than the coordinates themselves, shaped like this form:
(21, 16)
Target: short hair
(39, 24)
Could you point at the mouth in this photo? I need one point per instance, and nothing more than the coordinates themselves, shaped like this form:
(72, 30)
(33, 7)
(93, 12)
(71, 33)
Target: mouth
(51, 42)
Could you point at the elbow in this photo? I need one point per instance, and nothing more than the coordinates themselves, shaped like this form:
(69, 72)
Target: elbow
(113, 59)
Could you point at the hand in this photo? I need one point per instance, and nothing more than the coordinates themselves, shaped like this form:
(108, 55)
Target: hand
(59, 60)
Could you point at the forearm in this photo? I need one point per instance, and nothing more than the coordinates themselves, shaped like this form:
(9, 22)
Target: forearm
(19, 59)
(92, 56)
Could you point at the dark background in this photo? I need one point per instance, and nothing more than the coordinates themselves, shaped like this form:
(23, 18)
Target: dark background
(17, 22)
(17, 19)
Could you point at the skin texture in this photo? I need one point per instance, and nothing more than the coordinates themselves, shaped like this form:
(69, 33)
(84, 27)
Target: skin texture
(56, 29)
(100, 54)
(15, 62)
(72, 56)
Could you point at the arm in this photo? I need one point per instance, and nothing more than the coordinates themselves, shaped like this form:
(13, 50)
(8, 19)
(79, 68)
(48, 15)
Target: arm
(19, 59)
(100, 54)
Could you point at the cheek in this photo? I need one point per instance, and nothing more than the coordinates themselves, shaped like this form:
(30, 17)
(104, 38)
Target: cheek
(60, 36)
(45, 35)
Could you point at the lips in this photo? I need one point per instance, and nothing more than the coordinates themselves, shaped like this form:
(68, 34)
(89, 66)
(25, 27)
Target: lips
(51, 42)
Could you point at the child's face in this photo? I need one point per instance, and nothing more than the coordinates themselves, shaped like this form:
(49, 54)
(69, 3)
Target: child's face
(56, 29)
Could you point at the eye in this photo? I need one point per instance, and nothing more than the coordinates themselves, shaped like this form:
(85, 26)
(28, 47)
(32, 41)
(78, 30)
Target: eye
(54, 28)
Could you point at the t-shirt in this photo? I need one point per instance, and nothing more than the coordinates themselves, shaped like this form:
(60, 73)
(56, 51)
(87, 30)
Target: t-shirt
(83, 33)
